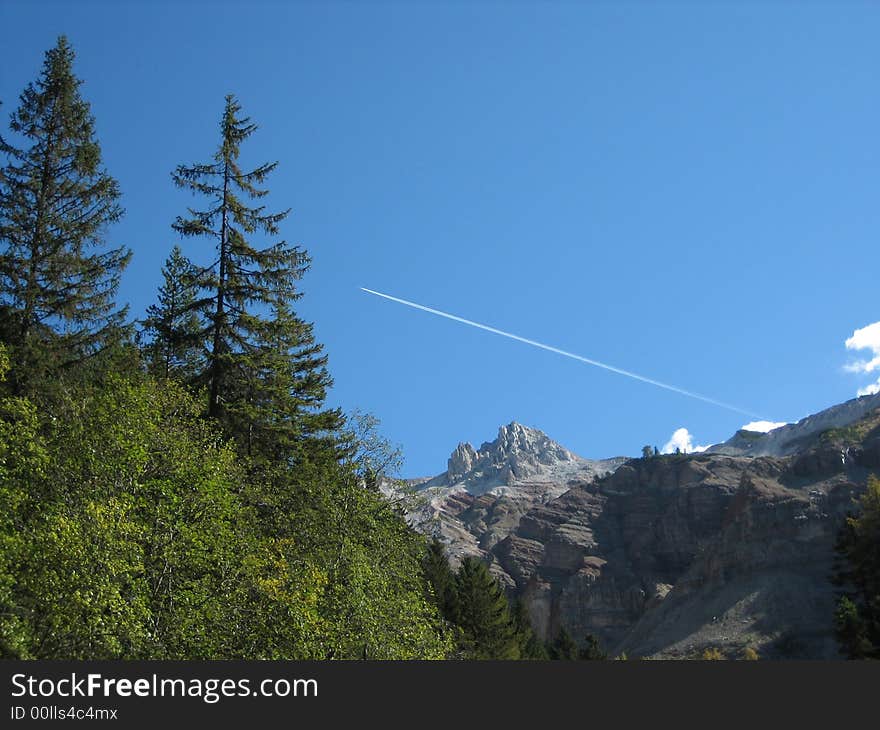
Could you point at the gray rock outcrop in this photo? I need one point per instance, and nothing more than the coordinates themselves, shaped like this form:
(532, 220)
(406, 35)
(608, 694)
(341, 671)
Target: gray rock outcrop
(668, 555)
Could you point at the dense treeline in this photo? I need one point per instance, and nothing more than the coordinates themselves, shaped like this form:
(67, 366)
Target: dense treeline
(857, 620)
(481, 620)
(178, 489)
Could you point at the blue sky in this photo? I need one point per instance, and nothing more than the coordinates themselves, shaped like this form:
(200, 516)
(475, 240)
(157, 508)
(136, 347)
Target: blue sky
(685, 190)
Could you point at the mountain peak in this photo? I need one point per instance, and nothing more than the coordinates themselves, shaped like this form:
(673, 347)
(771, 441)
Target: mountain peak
(518, 453)
(518, 446)
(516, 429)
(461, 462)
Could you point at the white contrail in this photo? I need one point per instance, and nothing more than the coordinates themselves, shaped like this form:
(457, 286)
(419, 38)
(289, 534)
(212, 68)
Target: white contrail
(587, 360)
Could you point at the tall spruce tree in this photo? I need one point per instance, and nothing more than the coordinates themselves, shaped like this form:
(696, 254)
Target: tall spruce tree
(58, 279)
(175, 350)
(265, 374)
(440, 580)
(483, 614)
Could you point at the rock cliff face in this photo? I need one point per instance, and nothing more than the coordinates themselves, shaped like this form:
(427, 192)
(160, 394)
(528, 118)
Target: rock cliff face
(482, 495)
(669, 555)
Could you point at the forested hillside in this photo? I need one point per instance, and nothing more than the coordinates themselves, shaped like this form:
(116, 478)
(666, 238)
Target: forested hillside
(176, 487)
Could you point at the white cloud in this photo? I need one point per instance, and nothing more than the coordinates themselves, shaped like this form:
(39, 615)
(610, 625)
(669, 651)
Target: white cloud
(683, 441)
(870, 389)
(862, 366)
(866, 338)
(763, 426)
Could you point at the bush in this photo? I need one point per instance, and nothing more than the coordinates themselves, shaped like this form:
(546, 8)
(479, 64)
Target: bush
(712, 654)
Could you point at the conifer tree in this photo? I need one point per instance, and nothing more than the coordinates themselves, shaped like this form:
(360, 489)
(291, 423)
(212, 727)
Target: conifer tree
(564, 647)
(440, 580)
(177, 337)
(265, 374)
(531, 647)
(592, 650)
(58, 279)
(483, 614)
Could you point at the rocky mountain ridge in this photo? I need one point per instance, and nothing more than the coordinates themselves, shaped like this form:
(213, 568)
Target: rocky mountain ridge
(788, 439)
(483, 493)
(668, 555)
(518, 454)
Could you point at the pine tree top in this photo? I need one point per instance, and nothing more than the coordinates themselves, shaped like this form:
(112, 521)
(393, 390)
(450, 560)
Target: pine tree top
(57, 277)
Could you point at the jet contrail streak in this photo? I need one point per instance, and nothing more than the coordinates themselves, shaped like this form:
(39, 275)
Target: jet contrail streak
(549, 348)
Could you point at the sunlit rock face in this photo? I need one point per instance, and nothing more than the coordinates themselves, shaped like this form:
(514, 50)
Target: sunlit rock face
(669, 555)
(484, 492)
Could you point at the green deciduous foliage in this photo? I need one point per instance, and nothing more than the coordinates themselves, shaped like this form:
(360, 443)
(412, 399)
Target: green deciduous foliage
(58, 278)
(128, 528)
(135, 522)
(141, 542)
(339, 548)
(857, 618)
(376, 587)
(712, 654)
(370, 454)
(23, 461)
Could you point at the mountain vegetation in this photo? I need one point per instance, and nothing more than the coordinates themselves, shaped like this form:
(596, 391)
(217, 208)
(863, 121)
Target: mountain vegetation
(857, 620)
(179, 488)
(482, 620)
(179, 491)
(58, 278)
